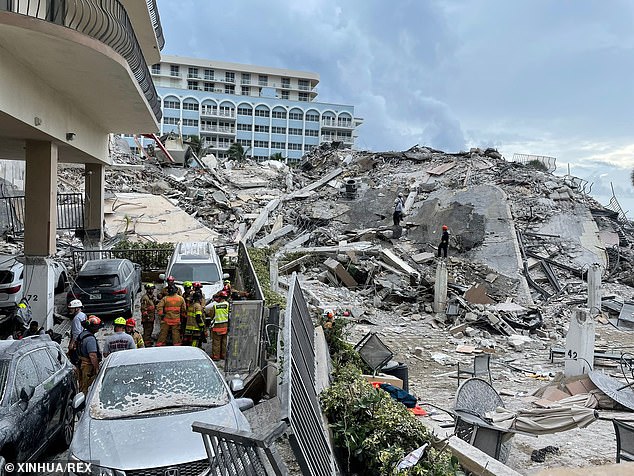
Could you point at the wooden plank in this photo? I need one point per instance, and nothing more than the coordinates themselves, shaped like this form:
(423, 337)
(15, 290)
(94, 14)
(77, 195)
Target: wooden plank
(285, 230)
(261, 219)
(305, 192)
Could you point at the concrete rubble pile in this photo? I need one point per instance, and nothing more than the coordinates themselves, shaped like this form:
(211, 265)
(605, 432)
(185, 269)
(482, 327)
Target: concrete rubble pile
(521, 238)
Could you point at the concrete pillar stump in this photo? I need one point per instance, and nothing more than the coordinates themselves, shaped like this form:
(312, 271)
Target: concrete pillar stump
(440, 288)
(579, 357)
(594, 289)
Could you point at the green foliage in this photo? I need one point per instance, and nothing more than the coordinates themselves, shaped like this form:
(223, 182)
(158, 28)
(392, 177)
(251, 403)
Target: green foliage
(372, 431)
(375, 432)
(148, 255)
(260, 259)
(277, 156)
(237, 152)
(537, 165)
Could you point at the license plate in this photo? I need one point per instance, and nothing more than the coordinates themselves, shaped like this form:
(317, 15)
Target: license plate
(95, 296)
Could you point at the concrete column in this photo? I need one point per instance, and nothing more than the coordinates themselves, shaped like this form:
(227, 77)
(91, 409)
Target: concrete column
(440, 288)
(579, 358)
(93, 206)
(40, 228)
(594, 289)
(40, 206)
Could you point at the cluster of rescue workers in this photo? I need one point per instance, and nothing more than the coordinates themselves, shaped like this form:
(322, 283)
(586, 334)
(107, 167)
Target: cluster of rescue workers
(185, 319)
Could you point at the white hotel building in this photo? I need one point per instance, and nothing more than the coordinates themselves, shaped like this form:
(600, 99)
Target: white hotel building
(266, 110)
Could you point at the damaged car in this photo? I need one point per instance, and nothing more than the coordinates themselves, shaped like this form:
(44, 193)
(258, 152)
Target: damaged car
(139, 412)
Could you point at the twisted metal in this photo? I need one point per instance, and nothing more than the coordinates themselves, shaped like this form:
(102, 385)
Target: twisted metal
(104, 20)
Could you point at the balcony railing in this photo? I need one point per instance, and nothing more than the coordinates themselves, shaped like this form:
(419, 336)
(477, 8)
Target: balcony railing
(303, 87)
(219, 129)
(156, 23)
(245, 81)
(106, 21)
(214, 112)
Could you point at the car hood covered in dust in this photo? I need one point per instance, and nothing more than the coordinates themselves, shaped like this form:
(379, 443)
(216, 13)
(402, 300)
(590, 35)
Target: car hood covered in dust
(150, 441)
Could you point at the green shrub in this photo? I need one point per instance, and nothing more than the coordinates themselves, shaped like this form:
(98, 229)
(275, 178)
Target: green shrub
(156, 258)
(260, 259)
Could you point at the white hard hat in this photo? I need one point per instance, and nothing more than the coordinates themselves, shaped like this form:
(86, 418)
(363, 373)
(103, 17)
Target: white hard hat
(75, 303)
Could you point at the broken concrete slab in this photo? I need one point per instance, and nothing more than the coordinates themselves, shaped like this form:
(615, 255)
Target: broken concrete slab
(477, 294)
(336, 268)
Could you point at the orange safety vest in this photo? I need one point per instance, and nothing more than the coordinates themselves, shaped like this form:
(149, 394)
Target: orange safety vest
(171, 308)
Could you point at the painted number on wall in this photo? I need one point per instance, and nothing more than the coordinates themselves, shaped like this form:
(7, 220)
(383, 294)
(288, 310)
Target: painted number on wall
(31, 297)
(572, 354)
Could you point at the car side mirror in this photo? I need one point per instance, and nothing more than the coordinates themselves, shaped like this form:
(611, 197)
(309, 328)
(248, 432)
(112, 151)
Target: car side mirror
(79, 401)
(26, 393)
(162, 276)
(236, 385)
(244, 403)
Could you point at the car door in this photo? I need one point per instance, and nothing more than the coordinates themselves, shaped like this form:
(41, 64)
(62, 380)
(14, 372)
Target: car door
(53, 386)
(31, 413)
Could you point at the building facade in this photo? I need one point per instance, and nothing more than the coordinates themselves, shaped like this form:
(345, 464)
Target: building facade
(266, 110)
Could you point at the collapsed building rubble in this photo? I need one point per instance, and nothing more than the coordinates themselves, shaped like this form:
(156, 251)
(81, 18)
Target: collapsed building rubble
(522, 240)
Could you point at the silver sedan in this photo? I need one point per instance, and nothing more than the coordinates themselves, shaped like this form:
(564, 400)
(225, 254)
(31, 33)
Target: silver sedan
(139, 412)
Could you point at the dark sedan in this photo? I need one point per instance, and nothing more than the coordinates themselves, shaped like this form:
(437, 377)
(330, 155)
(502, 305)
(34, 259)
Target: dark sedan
(107, 287)
(36, 406)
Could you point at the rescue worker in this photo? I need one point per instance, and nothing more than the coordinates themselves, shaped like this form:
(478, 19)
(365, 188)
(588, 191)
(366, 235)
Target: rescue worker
(399, 204)
(171, 283)
(119, 340)
(170, 310)
(89, 354)
(195, 324)
(444, 241)
(329, 318)
(34, 330)
(130, 329)
(76, 328)
(232, 294)
(77, 316)
(187, 292)
(148, 312)
(219, 314)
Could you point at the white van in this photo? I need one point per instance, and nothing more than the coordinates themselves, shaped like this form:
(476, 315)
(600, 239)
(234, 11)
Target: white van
(196, 261)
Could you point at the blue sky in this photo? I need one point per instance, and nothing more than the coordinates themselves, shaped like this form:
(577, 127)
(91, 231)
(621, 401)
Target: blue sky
(524, 76)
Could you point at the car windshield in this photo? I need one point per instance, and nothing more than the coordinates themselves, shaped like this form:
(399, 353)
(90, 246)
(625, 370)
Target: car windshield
(105, 281)
(204, 272)
(130, 390)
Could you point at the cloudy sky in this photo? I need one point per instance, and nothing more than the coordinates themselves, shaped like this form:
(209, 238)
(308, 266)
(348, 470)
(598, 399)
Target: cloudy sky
(524, 76)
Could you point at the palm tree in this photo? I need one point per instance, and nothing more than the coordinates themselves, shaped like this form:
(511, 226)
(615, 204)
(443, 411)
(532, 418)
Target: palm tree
(237, 152)
(197, 146)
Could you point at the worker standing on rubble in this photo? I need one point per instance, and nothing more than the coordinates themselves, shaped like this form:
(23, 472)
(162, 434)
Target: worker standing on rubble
(170, 309)
(120, 340)
(88, 352)
(399, 205)
(444, 241)
(195, 328)
(130, 329)
(148, 313)
(219, 314)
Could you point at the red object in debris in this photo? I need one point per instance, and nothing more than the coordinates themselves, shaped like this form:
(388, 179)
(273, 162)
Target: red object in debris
(418, 411)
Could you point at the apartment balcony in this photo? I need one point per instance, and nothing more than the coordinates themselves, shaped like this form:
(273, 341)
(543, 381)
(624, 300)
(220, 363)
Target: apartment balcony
(87, 52)
(245, 82)
(335, 138)
(336, 124)
(218, 130)
(211, 112)
(217, 145)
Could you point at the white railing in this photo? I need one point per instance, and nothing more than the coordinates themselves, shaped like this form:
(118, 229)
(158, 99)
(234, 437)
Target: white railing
(220, 129)
(214, 112)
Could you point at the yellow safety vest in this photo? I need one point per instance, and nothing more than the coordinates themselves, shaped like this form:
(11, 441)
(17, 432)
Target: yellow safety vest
(221, 313)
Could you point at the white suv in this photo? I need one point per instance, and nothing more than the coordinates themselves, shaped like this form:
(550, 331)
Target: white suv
(12, 276)
(196, 261)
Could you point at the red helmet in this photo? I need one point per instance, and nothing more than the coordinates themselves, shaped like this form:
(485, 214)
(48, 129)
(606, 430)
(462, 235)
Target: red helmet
(197, 285)
(130, 323)
(445, 227)
(171, 279)
(93, 321)
(346, 313)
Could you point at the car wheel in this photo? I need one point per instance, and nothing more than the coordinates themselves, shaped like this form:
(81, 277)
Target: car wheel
(68, 426)
(61, 283)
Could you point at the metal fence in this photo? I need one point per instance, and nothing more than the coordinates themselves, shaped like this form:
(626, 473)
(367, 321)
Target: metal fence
(238, 453)
(549, 162)
(247, 272)
(244, 342)
(70, 212)
(299, 402)
(104, 20)
(149, 259)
